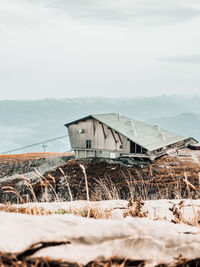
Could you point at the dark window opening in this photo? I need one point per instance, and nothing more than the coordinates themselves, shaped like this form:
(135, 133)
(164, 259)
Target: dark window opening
(134, 148)
(88, 143)
(144, 150)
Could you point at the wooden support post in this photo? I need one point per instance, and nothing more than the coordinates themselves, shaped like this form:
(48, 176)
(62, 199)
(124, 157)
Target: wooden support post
(120, 138)
(113, 135)
(104, 134)
(94, 128)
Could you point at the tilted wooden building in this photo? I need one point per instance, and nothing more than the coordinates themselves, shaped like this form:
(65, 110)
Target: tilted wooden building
(112, 135)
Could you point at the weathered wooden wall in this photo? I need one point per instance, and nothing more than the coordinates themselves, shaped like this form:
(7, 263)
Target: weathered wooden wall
(93, 131)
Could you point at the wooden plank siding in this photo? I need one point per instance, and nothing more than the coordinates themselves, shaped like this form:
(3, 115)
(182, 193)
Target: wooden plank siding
(102, 137)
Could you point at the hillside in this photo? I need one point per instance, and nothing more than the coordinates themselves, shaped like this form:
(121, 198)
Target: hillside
(55, 174)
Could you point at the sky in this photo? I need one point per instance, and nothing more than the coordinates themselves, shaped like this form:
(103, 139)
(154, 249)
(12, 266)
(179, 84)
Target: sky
(89, 48)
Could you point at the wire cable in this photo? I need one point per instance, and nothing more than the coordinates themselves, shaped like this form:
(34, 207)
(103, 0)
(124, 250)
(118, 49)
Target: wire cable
(36, 144)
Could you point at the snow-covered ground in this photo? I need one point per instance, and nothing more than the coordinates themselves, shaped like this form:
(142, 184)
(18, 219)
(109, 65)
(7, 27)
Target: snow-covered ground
(82, 240)
(118, 233)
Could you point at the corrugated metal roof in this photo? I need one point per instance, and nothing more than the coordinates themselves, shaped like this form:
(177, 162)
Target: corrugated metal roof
(143, 134)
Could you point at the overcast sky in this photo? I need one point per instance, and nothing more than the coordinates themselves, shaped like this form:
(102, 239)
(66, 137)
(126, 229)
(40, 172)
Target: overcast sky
(75, 48)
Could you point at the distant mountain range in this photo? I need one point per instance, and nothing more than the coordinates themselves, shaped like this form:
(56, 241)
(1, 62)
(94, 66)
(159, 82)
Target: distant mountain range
(25, 122)
(187, 124)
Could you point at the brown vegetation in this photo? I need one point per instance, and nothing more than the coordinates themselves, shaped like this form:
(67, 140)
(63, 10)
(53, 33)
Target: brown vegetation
(7, 260)
(164, 178)
(31, 156)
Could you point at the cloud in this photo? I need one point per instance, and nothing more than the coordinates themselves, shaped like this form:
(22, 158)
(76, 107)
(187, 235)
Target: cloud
(22, 13)
(193, 59)
(104, 11)
(128, 11)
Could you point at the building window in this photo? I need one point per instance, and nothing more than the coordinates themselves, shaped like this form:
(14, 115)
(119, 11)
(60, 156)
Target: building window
(80, 131)
(88, 143)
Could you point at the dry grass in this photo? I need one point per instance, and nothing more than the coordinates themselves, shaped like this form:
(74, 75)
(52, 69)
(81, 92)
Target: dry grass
(178, 212)
(68, 186)
(135, 209)
(82, 212)
(30, 156)
(106, 190)
(7, 260)
(26, 210)
(86, 181)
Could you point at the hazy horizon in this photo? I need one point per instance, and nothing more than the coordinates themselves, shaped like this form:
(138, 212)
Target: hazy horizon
(102, 97)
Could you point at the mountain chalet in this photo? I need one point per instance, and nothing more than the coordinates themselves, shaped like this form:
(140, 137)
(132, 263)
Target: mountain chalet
(112, 135)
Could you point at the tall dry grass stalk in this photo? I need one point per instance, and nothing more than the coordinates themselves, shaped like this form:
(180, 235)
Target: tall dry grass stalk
(188, 184)
(43, 183)
(199, 180)
(177, 191)
(86, 181)
(68, 186)
(131, 187)
(143, 188)
(29, 185)
(40, 176)
(10, 189)
(110, 192)
(86, 186)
